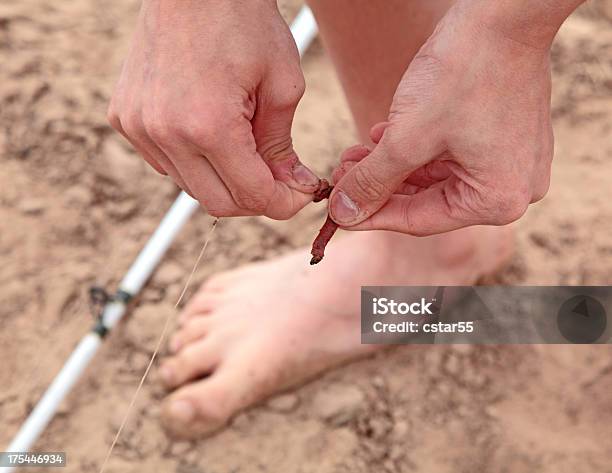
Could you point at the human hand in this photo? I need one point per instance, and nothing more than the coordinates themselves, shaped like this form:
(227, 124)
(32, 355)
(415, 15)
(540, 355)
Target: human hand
(468, 139)
(207, 95)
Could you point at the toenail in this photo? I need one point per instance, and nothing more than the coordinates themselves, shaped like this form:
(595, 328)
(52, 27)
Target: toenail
(182, 411)
(167, 374)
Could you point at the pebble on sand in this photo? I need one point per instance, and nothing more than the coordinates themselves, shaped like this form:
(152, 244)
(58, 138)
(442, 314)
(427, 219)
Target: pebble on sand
(338, 404)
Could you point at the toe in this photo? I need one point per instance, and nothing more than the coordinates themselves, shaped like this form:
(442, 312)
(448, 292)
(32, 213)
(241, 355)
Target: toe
(194, 360)
(191, 330)
(219, 281)
(200, 408)
(203, 303)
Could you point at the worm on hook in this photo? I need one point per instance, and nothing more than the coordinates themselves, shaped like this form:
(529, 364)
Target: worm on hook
(329, 227)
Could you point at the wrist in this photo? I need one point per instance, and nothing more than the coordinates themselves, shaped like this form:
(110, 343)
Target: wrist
(530, 23)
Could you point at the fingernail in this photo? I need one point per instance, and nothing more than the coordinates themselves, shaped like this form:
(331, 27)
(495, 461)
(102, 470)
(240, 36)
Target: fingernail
(182, 411)
(304, 176)
(166, 374)
(343, 209)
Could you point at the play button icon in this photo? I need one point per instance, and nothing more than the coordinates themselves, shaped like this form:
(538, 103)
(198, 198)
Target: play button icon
(582, 319)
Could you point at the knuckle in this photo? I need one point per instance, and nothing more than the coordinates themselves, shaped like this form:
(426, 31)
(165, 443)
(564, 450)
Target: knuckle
(290, 94)
(541, 190)
(282, 210)
(367, 186)
(113, 118)
(158, 130)
(254, 201)
(282, 215)
(508, 206)
(205, 130)
(218, 209)
(216, 212)
(222, 207)
(132, 125)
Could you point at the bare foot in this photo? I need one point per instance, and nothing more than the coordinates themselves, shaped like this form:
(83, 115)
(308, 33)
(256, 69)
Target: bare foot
(252, 332)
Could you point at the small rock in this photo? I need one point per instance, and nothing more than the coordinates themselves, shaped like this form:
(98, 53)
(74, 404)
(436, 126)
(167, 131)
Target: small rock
(78, 196)
(401, 429)
(284, 403)
(338, 404)
(32, 206)
(379, 427)
(180, 448)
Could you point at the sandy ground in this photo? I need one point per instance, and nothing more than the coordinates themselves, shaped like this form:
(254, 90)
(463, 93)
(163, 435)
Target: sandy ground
(76, 205)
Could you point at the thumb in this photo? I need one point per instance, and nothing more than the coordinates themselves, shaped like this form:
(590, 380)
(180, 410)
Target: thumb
(369, 184)
(272, 131)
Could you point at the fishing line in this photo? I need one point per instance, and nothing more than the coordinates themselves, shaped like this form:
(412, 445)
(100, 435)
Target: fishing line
(158, 346)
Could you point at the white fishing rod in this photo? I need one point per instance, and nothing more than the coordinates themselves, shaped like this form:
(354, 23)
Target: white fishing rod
(304, 30)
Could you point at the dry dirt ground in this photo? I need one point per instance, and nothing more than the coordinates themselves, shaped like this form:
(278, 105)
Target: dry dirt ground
(76, 205)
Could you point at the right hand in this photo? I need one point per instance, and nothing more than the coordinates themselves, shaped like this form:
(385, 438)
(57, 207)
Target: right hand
(207, 95)
(468, 140)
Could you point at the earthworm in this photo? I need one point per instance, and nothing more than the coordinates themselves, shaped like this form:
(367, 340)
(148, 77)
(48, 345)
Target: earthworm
(329, 227)
(323, 191)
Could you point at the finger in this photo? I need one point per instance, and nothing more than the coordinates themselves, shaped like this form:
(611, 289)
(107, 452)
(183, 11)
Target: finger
(196, 171)
(250, 181)
(366, 187)
(135, 132)
(115, 122)
(282, 204)
(272, 124)
(437, 209)
(235, 159)
(341, 170)
(541, 186)
(217, 199)
(376, 132)
(429, 174)
(404, 188)
(355, 153)
(149, 147)
(541, 177)
(348, 159)
(286, 201)
(208, 187)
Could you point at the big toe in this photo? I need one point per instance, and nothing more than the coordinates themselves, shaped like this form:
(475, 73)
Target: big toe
(198, 409)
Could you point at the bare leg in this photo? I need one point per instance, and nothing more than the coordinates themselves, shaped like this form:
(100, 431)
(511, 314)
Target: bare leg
(371, 44)
(273, 325)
